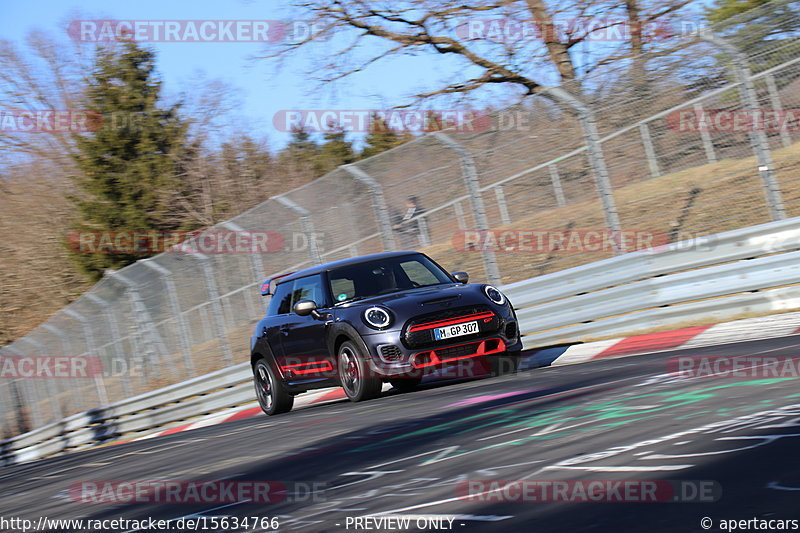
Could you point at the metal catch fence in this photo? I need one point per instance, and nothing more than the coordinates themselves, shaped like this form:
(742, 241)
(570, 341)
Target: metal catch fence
(698, 137)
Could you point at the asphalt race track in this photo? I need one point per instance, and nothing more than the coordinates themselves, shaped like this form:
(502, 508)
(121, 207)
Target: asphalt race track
(411, 455)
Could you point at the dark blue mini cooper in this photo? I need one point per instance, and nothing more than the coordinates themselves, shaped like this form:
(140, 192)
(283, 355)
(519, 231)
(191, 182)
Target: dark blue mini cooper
(360, 322)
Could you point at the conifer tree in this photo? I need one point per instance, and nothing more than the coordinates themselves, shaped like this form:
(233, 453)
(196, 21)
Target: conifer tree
(128, 176)
(381, 138)
(335, 151)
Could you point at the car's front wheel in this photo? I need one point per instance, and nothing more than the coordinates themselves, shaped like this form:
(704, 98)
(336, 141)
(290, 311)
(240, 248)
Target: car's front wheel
(355, 375)
(272, 396)
(506, 363)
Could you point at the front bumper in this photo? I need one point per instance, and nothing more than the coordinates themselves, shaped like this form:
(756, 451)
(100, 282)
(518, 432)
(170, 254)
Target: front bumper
(391, 357)
(435, 357)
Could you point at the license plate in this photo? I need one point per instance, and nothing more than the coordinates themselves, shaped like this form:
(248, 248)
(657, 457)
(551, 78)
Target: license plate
(456, 330)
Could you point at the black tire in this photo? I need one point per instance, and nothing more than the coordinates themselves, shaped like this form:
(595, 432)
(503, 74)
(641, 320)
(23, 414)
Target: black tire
(272, 395)
(355, 375)
(506, 363)
(406, 384)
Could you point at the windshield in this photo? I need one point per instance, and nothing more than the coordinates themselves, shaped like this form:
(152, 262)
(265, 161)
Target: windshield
(384, 276)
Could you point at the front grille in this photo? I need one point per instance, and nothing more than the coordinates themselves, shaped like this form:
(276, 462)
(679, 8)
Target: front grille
(390, 352)
(455, 351)
(423, 336)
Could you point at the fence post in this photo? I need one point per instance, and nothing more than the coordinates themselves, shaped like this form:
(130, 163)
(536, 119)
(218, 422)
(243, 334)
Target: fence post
(470, 174)
(15, 413)
(308, 226)
(40, 348)
(758, 139)
(153, 343)
(114, 328)
(102, 394)
(36, 393)
(649, 151)
(27, 396)
(501, 204)
(255, 258)
(216, 306)
(596, 158)
(424, 234)
(556, 180)
(175, 306)
(462, 225)
(67, 348)
(775, 102)
(705, 136)
(378, 204)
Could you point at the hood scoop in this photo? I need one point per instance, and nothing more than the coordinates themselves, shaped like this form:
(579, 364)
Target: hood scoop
(441, 300)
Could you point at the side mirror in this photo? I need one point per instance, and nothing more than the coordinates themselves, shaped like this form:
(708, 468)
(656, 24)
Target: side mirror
(265, 288)
(460, 276)
(305, 308)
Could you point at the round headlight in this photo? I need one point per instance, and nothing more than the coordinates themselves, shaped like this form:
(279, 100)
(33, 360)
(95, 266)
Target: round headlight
(494, 295)
(377, 317)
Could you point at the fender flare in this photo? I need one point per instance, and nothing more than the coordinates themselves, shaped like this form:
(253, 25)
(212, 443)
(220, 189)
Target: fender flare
(263, 349)
(347, 330)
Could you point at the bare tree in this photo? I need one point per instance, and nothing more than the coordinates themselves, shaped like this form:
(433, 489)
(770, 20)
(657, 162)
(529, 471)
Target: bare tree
(45, 77)
(526, 44)
(35, 273)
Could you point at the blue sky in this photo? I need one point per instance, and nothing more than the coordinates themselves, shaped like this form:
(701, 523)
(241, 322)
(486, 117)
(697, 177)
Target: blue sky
(262, 91)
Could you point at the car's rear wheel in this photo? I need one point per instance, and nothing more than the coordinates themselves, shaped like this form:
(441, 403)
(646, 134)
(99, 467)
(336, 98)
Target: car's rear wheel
(406, 384)
(354, 374)
(272, 395)
(506, 363)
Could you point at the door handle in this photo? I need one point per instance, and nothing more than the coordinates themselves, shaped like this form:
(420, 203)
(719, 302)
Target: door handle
(284, 329)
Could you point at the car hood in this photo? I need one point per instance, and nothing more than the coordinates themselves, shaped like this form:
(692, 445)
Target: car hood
(424, 300)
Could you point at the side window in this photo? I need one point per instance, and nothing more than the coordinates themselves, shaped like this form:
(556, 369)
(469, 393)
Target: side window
(418, 273)
(280, 303)
(343, 288)
(309, 288)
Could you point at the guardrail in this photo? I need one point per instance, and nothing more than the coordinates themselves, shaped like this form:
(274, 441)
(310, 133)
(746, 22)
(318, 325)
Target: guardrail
(753, 270)
(226, 388)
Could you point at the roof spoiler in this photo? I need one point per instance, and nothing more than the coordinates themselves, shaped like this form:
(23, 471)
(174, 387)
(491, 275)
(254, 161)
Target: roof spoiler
(267, 286)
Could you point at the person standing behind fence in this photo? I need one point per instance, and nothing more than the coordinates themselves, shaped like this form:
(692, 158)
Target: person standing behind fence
(409, 227)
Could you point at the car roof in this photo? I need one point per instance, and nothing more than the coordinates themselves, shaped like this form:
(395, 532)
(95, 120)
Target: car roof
(341, 263)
